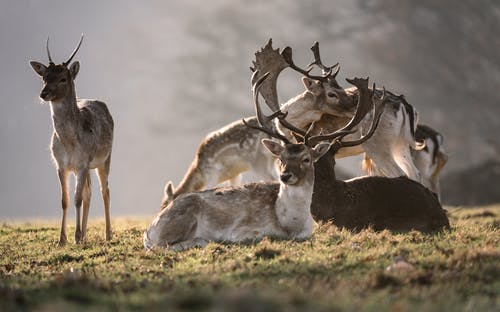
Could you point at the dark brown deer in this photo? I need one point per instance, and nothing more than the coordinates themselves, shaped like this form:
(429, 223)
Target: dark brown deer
(82, 140)
(398, 204)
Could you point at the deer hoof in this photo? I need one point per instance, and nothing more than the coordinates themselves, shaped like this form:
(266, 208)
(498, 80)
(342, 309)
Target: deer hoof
(78, 236)
(109, 235)
(62, 241)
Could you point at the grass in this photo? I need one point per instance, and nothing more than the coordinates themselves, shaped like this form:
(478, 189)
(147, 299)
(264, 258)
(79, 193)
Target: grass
(336, 270)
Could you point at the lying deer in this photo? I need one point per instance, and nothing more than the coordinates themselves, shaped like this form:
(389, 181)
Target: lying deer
(398, 204)
(82, 139)
(249, 212)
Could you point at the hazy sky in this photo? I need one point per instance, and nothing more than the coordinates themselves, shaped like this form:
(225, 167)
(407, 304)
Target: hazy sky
(171, 71)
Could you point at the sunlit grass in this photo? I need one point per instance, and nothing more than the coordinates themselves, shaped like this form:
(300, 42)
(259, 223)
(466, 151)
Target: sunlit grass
(456, 270)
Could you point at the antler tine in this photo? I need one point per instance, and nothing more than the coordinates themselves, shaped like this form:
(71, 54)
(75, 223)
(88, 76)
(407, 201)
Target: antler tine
(287, 55)
(363, 106)
(265, 124)
(74, 52)
(317, 61)
(378, 109)
(48, 52)
(291, 127)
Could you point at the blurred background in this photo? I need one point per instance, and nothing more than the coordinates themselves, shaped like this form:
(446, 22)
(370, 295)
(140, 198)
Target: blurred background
(171, 71)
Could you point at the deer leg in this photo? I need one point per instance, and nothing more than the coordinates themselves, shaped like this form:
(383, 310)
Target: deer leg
(385, 166)
(81, 179)
(63, 182)
(86, 195)
(402, 156)
(102, 174)
(192, 243)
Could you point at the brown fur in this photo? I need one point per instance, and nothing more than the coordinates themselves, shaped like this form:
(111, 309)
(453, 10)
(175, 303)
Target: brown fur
(396, 204)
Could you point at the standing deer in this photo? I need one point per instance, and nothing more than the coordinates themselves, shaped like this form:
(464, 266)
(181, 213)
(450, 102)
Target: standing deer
(82, 140)
(247, 212)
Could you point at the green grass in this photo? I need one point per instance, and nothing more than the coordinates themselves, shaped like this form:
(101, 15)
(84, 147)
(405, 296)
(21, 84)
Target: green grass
(336, 270)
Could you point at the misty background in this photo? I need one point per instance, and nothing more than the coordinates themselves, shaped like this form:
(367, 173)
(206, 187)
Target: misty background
(172, 71)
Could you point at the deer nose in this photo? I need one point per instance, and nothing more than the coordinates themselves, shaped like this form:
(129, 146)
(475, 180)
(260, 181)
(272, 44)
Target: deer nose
(44, 94)
(284, 177)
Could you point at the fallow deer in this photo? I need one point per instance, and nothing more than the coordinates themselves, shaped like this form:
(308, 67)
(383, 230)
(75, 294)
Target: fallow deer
(397, 204)
(247, 212)
(81, 140)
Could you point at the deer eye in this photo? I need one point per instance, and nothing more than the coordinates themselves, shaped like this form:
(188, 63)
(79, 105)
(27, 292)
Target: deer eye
(63, 80)
(332, 95)
(306, 160)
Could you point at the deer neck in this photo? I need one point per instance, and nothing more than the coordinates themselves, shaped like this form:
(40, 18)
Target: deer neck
(326, 188)
(65, 117)
(293, 207)
(302, 110)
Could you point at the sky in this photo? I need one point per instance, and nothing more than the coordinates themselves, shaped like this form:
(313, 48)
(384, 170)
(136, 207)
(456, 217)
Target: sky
(172, 71)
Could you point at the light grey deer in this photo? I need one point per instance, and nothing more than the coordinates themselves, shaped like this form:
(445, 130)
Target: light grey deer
(247, 212)
(81, 140)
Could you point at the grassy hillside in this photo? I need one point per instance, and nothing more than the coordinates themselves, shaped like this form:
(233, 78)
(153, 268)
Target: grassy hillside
(336, 270)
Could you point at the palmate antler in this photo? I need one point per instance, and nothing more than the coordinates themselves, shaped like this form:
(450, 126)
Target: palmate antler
(265, 122)
(270, 61)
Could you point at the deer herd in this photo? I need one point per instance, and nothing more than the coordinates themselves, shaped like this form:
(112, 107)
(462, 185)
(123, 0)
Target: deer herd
(291, 152)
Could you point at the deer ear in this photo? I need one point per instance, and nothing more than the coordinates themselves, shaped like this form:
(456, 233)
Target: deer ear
(39, 68)
(273, 147)
(319, 150)
(74, 68)
(308, 83)
(169, 190)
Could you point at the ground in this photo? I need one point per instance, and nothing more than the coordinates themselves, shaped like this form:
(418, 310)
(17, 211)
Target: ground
(458, 270)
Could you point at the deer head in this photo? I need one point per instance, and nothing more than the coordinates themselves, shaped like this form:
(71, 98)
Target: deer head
(57, 78)
(296, 160)
(322, 90)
